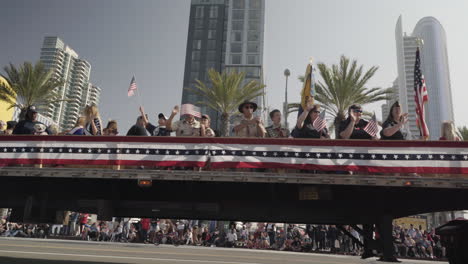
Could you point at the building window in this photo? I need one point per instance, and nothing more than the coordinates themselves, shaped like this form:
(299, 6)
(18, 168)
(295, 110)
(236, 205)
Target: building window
(239, 4)
(198, 23)
(211, 65)
(213, 12)
(254, 14)
(211, 34)
(196, 44)
(255, 4)
(211, 44)
(211, 55)
(194, 75)
(237, 14)
(237, 25)
(212, 24)
(252, 72)
(195, 55)
(253, 59)
(253, 36)
(253, 47)
(236, 36)
(254, 25)
(199, 12)
(236, 59)
(236, 47)
(195, 67)
(198, 34)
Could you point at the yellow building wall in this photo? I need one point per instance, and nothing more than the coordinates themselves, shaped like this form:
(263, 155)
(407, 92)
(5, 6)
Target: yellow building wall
(5, 115)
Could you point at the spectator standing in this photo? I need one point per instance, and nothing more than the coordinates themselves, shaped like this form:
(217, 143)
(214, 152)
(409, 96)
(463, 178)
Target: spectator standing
(78, 130)
(2, 127)
(205, 129)
(448, 132)
(160, 130)
(188, 127)
(111, 128)
(392, 128)
(249, 126)
(93, 121)
(10, 127)
(145, 226)
(353, 126)
(27, 126)
(231, 238)
(305, 123)
(276, 130)
(138, 129)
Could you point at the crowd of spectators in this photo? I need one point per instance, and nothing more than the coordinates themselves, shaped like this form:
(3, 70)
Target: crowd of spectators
(408, 243)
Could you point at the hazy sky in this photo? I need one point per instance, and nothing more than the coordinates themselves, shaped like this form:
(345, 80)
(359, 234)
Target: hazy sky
(147, 38)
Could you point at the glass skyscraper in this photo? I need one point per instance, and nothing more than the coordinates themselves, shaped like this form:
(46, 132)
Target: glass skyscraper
(434, 66)
(223, 35)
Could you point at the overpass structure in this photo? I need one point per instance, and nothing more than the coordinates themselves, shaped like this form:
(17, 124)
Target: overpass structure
(306, 181)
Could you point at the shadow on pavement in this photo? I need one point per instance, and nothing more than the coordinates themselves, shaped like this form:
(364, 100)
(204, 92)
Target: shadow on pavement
(12, 260)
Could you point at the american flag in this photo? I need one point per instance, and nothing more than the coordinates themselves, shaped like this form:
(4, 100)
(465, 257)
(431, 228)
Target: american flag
(320, 122)
(371, 128)
(132, 88)
(190, 109)
(420, 96)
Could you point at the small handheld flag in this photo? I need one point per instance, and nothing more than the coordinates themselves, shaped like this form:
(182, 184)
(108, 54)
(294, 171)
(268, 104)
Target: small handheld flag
(132, 88)
(320, 123)
(371, 128)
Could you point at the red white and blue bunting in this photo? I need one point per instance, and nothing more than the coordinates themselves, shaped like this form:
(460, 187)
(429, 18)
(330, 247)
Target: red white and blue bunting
(324, 155)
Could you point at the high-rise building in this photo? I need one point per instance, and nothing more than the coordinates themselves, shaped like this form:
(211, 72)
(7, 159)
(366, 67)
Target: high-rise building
(77, 91)
(434, 66)
(223, 35)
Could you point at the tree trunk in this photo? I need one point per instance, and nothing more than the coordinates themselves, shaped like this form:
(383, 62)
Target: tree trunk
(338, 119)
(224, 125)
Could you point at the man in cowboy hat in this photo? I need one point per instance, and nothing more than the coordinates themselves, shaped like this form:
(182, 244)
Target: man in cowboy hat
(249, 126)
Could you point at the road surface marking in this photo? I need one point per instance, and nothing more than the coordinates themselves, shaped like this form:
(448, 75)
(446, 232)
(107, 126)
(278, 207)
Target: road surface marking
(122, 257)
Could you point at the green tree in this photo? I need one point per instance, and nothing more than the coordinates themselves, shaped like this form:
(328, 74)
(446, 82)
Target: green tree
(463, 132)
(28, 85)
(343, 85)
(225, 93)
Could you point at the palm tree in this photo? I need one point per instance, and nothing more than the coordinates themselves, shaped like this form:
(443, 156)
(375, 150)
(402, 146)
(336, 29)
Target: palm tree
(28, 85)
(344, 85)
(463, 131)
(226, 93)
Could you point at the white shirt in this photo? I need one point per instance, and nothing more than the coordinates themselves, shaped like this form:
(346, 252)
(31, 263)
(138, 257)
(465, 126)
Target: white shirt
(231, 237)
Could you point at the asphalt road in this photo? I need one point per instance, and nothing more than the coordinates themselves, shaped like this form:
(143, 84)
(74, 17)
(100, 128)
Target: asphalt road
(39, 251)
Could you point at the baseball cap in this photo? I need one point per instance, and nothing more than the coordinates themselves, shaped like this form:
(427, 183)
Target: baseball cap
(206, 116)
(161, 115)
(32, 108)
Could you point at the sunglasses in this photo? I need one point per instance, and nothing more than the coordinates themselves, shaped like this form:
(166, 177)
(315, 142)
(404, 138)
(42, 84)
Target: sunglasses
(248, 107)
(357, 110)
(316, 111)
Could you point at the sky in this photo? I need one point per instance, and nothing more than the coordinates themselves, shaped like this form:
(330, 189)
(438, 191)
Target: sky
(147, 39)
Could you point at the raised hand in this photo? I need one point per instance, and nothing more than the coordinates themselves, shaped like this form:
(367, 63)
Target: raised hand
(404, 119)
(258, 120)
(142, 110)
(175, 111)
(353, 116)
